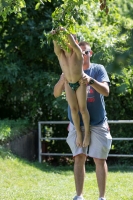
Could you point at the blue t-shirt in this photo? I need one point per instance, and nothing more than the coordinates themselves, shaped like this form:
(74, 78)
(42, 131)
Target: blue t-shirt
(95, 101)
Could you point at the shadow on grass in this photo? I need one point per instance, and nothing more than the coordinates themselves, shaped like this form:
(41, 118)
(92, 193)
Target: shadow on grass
(5, 154)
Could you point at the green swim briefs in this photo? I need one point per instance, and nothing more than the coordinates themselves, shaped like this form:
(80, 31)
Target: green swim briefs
(74, 86)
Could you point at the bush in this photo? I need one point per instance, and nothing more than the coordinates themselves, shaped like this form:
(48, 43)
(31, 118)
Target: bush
(9, 129)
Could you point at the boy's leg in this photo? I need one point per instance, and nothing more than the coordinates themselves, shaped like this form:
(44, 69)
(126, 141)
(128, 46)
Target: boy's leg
(79, 154)
(82, 102)
(73, 103)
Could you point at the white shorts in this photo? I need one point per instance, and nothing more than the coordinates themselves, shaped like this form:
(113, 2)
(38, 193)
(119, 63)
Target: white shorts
(100, 142)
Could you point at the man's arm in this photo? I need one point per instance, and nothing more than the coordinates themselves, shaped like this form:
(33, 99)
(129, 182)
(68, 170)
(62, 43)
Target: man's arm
(100, 87)
(59, 87)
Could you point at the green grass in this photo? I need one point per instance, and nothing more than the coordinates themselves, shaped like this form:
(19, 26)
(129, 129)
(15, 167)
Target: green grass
(23, 180)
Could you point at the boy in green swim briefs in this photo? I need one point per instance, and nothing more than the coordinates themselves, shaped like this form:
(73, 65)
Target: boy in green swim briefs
(71, 63)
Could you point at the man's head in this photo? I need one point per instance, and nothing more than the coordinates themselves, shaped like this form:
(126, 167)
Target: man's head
(86, 48)
(87, 53)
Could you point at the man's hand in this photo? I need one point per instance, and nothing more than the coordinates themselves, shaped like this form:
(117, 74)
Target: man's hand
(100, 87)
(62, 77)
(60, 86)
(85, 79)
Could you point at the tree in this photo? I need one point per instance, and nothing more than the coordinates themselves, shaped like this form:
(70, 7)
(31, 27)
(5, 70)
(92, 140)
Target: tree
(9, 6)
(28, 62)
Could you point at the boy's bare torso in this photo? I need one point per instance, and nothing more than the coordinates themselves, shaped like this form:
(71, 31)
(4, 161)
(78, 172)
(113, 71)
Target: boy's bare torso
(71, 65)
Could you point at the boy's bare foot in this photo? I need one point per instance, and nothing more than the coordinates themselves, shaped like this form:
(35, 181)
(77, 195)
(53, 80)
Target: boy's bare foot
(86, 140)
(79, 140)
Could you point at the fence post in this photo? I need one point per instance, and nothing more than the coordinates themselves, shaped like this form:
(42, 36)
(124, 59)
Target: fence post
(39, 142)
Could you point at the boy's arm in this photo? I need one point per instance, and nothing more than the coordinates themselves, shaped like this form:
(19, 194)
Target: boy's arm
(57, 48)
(74, 45)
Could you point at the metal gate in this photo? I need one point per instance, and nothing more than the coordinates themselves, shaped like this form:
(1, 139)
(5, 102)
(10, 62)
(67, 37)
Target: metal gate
(40, 138)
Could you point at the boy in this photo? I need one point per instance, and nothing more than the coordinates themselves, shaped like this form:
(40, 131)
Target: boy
(71, 63)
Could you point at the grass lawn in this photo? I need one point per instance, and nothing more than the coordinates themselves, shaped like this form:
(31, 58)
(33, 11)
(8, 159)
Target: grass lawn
(23, 180)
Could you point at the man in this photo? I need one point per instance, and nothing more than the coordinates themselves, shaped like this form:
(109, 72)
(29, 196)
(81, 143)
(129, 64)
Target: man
(98, 85)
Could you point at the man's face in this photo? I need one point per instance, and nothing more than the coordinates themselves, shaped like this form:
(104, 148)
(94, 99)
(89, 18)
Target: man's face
(86, 52)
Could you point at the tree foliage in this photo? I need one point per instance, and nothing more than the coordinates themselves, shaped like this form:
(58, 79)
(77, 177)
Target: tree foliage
(24, 49)
(9, 6)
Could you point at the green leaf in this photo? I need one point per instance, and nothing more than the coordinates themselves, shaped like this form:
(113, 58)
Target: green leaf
(37, 6)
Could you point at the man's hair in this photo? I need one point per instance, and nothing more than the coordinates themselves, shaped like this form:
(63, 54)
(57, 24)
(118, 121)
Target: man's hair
(83, 43)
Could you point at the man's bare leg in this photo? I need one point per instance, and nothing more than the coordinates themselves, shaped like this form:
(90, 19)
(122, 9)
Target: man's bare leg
(73, 103)
(79, 173)
(82, 102)
(101, 173)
